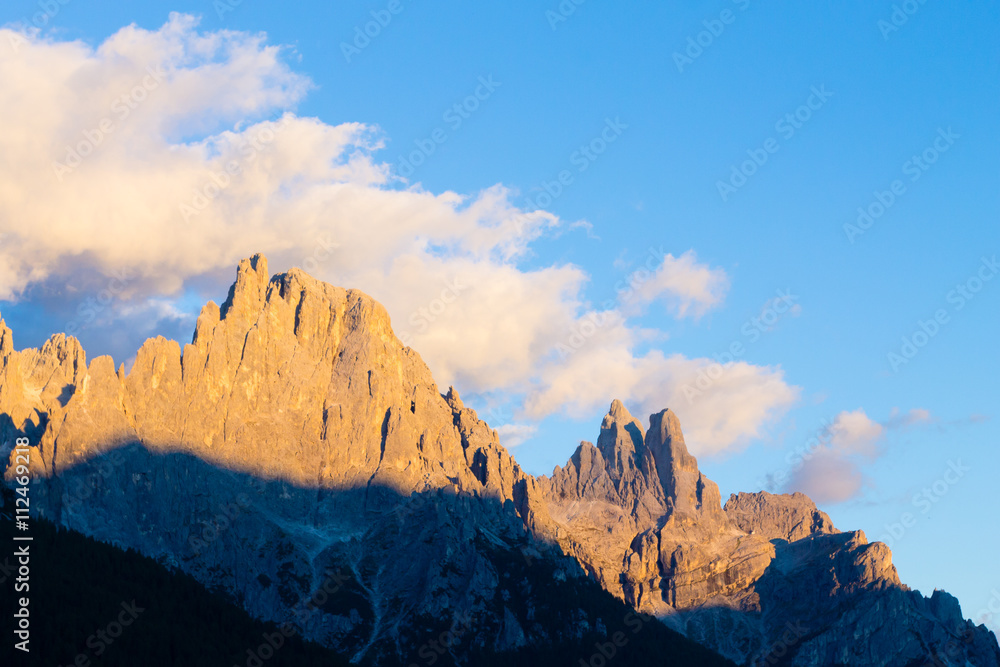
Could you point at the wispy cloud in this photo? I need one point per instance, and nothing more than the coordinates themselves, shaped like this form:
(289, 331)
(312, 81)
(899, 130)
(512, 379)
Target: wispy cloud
(835, 472)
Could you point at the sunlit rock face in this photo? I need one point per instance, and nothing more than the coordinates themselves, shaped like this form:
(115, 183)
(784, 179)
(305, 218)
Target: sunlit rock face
(296, 437)
(766, 579)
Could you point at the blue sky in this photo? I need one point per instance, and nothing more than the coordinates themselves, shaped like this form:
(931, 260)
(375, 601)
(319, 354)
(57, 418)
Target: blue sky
(911, 108)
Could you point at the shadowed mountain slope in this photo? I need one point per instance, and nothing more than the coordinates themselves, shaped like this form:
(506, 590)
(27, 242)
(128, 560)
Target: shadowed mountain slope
(298, 396)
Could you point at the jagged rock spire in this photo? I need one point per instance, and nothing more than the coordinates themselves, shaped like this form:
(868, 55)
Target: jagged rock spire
(303, 382)
(678, 470)
(620, 442)
(247, 294)
(6, 339)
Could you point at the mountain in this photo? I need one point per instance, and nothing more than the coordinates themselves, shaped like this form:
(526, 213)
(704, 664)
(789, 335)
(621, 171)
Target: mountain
(296, 449)
(297, 442)
(763, 579)
(82, 587)
(95, 604)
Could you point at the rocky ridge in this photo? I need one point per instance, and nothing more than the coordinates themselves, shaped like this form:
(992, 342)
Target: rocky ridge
(296, 435)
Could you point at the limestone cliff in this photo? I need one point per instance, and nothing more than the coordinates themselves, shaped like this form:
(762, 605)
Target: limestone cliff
(763, 579)
(296, 435)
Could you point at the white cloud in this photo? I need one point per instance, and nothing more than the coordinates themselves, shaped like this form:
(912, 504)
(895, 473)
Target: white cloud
(834, 472)
(855, 433)
(512, 435)
(687, 287)
(829, 477)
(734, 410)
(170, 154)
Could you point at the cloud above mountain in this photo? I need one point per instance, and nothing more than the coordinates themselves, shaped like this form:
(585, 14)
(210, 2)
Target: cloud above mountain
(834, 472)
(150, 164)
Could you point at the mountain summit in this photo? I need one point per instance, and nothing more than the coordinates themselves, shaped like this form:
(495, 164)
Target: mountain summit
(296, 405)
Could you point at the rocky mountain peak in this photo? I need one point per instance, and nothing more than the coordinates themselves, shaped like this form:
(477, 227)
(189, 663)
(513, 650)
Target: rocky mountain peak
(454, 400)
(301, 389)
(621, 444)
(787, 517)
(685, 487)
(6, 339)
(618, 411)
(247, 294)
(665, 439)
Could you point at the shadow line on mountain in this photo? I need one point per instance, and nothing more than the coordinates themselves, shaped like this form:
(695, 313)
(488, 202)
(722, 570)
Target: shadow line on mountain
(271, 544)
